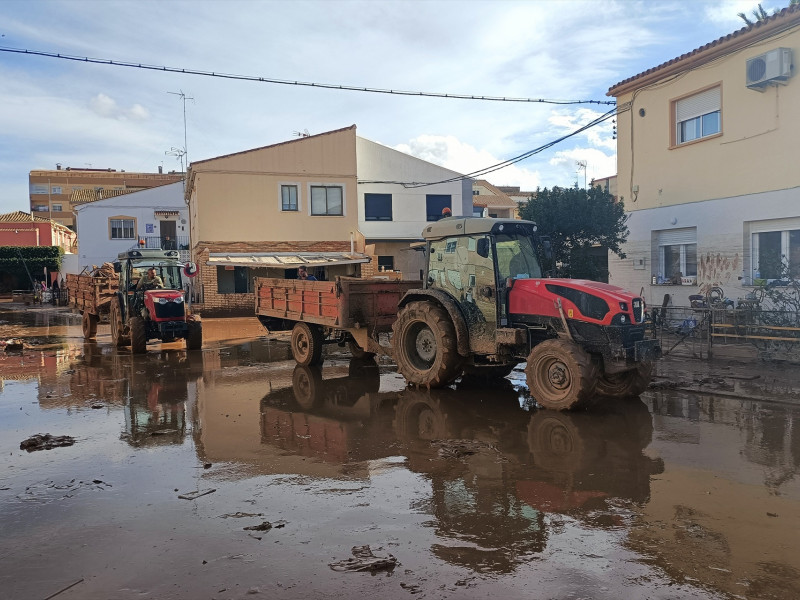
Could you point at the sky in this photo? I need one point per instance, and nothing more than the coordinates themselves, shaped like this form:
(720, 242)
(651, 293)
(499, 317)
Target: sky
(83, 115)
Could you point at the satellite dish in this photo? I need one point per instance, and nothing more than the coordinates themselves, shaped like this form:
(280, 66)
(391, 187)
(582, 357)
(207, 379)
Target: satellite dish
(190, 269)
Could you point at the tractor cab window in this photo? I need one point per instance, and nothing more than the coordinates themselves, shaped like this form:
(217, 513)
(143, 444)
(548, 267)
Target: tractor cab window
(170, 275)
(516, 256)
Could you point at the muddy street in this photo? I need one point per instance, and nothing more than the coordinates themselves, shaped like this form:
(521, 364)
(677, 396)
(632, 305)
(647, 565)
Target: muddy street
(233, 473)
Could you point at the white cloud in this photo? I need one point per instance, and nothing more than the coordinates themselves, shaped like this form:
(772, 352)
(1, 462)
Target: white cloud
(107, 107)
(726, 12)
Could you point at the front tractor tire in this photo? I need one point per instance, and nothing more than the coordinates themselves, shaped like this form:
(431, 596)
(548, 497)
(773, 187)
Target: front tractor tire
(89, 325)
(138, 335)
(117, 327)
(561, 376)
(626, 384)
(307, 344)
(425, 345)
(194, 335)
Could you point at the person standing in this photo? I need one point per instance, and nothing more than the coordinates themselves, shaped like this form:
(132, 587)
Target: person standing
(303, 274)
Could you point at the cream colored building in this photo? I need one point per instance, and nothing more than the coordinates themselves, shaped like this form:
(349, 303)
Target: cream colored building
(707, 165)
(490, 201)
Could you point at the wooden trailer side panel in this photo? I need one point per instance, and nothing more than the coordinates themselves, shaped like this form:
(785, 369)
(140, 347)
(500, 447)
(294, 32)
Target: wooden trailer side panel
(91, 294)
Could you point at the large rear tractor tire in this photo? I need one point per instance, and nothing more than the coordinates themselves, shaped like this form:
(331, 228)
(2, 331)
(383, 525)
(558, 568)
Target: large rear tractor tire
(89, 325)
(561, 376)
(626, 384)
(307, 344)
(117, 328)
(138, 335)
(194, 335)
(425, 345)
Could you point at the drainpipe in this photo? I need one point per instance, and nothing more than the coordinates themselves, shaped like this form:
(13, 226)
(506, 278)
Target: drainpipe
(352, 243)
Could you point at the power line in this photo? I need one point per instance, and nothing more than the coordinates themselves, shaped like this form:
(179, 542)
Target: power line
(329, 86)
(501, 165)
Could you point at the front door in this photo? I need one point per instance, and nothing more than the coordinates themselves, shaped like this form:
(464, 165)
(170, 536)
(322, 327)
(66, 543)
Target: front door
(168, 231)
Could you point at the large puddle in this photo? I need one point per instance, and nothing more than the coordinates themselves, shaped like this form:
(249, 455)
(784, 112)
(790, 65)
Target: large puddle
(471, 489)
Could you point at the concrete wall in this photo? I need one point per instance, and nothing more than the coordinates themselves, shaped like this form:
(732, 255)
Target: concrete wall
(238, 197)
(756, 152)
(95, 245)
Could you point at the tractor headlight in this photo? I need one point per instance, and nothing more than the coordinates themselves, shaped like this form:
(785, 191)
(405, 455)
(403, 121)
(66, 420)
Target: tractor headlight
(178, 300)
(162, 300)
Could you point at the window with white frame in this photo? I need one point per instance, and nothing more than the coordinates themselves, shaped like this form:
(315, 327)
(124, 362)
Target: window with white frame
(289, 198)
(327, 200)
(698, 116)
(56, 208)
(122, 228)
(677, 253)
(776, 254)
(56, 189)
(38, 188)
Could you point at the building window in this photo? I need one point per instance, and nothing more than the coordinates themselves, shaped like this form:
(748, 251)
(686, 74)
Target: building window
(122, 229)
(378, 207)
(56, 208)
(232, 280)
(476, 193)
(386, 263)
(776, 254)
(289, 197)
(677, 253)
(697, 116)
(56, 189)
(41, 208)
(38, 189)
(435, 203)
(327, 200)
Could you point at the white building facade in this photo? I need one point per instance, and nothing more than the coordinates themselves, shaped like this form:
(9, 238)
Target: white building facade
(155, 218)
(393, 211)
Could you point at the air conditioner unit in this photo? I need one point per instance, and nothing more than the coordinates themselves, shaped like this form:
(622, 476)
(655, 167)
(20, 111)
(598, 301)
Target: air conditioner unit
(773, 67)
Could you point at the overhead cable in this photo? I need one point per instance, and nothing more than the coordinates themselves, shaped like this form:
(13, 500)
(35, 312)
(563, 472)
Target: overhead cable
(328, 86)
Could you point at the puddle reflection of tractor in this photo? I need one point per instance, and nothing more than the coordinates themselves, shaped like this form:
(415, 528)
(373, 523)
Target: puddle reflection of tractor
(495, 470)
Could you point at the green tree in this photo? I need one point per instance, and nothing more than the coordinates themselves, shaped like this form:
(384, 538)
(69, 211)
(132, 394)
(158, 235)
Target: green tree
(762, 15)
(576, 220)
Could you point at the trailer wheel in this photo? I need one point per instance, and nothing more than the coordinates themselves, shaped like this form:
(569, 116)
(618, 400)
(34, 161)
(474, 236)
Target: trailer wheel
(138, 335)
(425, 345)
(194, 335)
(307, 344)
(357, 351)
(89, 325)
(307, 386)
(628, 383)
(561, 376)
(117, 328)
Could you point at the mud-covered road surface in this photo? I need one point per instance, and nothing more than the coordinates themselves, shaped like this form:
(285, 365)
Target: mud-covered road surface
(231, 473)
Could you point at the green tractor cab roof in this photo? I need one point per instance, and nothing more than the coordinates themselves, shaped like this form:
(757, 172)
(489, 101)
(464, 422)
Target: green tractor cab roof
(146, 253)
(452, 226)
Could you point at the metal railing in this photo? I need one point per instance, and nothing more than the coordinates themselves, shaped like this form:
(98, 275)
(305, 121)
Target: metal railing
(180, 242)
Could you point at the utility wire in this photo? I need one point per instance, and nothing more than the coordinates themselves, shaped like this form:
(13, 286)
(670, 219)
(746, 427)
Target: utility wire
(328, 86)
(501, 165)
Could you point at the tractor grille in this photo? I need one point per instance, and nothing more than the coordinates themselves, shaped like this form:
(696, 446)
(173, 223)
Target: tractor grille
(638, 310)
(170, 310)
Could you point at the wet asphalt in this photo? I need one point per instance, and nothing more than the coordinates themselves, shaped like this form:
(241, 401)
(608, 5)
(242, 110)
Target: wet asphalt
(468, 492)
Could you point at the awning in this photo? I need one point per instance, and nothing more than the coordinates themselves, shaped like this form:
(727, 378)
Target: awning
(285, 260)
(167, 213)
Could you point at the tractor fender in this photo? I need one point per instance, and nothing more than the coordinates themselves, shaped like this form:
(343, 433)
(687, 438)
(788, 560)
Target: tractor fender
(445, 301)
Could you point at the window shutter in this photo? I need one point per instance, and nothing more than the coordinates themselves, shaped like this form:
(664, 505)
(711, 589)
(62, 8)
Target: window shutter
(675, 237)
(697, 105)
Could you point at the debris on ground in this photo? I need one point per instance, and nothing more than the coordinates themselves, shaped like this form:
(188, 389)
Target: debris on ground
(364, 560)
(240, 515)
(264, 526)
(460, 448)
(196, 494)
(96, 406)
(164, 432)
(45, 441)
(13, 345)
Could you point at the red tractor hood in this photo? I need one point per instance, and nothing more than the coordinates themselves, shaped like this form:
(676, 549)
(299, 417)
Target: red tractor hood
(161, 306)
(580, 299)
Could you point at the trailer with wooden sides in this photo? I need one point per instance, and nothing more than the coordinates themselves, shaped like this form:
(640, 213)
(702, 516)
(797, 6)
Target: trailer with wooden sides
(91, 296)
(348, 311)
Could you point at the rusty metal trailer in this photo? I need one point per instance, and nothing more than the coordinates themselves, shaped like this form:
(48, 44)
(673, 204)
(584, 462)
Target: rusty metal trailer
(91, 296)
(348, 311)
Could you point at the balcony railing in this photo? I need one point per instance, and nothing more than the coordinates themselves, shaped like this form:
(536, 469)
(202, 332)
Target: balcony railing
(180, 242)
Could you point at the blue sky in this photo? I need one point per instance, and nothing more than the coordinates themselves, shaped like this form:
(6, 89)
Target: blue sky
(78, 114)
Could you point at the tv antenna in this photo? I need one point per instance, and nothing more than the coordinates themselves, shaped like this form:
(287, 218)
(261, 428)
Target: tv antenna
(183, 98)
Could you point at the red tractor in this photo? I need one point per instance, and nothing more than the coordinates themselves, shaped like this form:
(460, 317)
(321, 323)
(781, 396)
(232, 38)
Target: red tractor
(151, 302)
(485, 307)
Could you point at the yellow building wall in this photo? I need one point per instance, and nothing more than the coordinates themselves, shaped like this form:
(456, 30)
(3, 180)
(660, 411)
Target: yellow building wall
(756, 152)
(237, 197)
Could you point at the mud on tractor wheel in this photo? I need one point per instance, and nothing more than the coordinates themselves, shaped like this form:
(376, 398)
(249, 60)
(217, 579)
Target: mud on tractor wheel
(194, 335)
(138, 335)
(117, 328)
(425, 345)
(89, 325)
(561, 376)
(626, 384)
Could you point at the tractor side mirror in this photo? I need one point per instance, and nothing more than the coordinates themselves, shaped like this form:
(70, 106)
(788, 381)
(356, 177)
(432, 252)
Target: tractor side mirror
(117, 267)
(483, 248)
(548, 249)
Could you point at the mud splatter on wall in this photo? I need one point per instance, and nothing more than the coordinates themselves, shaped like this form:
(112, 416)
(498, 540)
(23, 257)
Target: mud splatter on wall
(717, 270)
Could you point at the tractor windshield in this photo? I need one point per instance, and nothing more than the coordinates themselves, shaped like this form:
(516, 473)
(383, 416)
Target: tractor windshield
(516, 256)
(170, 274)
